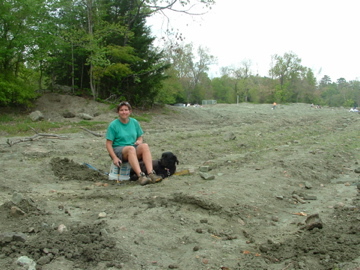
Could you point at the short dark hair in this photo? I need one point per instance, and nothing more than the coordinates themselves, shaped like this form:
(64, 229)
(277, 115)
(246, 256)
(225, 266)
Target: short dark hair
(123, 103)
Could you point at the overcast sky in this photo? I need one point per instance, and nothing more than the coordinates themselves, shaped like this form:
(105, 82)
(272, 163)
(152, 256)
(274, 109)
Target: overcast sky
(324, 34)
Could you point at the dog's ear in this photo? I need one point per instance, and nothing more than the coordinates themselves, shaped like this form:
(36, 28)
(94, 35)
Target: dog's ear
(174, 158)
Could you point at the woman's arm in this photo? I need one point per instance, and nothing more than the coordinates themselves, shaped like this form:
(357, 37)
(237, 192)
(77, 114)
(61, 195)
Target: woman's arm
(139, 140)
(112, 154)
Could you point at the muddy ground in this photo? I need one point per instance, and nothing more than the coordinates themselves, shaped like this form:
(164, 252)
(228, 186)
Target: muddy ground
(285, 193)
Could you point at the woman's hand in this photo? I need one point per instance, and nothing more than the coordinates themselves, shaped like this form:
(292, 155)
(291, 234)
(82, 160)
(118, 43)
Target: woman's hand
(117, 162)
(138, 141)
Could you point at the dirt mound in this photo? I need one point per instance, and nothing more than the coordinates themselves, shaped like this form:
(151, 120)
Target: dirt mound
(66, 169)
(83, 245)
(55, 107)
(327, 247)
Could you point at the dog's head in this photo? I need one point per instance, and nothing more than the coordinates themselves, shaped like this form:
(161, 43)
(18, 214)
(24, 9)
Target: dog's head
(168, 160)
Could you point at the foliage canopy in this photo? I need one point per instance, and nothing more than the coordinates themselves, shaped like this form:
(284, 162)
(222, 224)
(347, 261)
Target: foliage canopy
(105, 50)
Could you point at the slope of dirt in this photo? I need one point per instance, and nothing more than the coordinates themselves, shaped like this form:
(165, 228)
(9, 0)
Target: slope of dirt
(285, 193)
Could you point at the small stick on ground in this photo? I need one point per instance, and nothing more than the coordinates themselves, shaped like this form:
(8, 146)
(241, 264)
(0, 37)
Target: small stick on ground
(93, 133)
(286, 267)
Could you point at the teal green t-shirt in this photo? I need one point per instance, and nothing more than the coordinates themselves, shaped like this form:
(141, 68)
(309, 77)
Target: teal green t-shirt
(123, 134)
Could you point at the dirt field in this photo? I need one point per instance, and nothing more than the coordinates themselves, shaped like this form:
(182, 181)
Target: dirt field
(285, 193)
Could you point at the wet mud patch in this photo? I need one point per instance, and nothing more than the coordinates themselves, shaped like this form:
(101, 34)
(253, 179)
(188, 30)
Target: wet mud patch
(67, 169)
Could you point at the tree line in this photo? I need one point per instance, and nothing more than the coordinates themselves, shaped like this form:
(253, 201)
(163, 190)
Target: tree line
(288, 81)
(104, 49)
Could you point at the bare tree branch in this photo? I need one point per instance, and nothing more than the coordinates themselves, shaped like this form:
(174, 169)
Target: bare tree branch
(37, 136)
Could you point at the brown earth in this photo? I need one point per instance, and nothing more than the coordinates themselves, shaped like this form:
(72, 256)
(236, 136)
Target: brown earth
(285, 193)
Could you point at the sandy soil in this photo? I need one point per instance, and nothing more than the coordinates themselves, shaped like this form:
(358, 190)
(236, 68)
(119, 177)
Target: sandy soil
(285, 193)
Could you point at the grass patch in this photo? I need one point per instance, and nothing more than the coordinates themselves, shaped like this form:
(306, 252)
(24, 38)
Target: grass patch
(17, 124)
(166, 111)
(11, 125)
(5, 118)
(22, 125)
(143, 117)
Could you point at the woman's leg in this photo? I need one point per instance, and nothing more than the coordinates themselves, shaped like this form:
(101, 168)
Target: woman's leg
(129, 154)
(143, 152)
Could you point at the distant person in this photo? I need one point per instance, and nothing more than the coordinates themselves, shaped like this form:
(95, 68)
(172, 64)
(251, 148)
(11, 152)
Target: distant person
(124, 142)
(274, 106)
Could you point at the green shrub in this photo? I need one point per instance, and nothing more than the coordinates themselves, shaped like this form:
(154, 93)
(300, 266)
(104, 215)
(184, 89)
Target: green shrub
(15, 92)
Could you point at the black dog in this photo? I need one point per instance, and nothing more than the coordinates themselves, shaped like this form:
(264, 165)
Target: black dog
(167, 164)
(164, 167)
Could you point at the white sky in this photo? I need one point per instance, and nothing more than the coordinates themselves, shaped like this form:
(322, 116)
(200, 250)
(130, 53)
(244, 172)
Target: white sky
(324, 34)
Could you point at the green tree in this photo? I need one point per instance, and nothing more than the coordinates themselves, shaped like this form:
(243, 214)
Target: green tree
(355, 93)
(223, 88)
(180, 58)
(263, 90)
(325, 81)
(201, 82)
(304, 87)
(21, 23)
(191, 71)
(172, 91)
(329, 94)
(242, 81)
(344, 90)
(116, 56)
(286, 69)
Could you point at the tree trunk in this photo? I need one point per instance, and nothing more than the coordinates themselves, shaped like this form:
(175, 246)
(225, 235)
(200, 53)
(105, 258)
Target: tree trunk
(72, 69)
(92, 84)
(91, 33)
